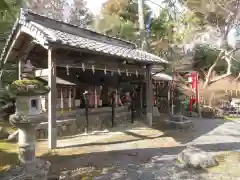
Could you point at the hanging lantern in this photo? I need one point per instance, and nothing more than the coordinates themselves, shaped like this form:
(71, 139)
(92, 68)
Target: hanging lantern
(119, 72)
(67, 68)
(93, 69)
(83, 67)
(105, 70)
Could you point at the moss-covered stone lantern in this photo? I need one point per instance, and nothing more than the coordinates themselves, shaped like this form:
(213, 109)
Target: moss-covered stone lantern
(28, 114)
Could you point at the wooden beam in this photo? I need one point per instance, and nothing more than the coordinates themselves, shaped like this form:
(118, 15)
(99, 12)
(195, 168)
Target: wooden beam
(96, 59)
(39, 36)
(149, 95)
(4, 60)
(99, 63)
(123, 68)
(52, 100)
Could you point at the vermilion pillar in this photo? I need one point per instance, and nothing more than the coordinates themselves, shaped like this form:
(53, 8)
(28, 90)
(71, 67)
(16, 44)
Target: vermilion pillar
(194, 85)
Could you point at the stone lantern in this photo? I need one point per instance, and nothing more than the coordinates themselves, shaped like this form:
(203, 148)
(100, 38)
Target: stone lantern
(26, 118)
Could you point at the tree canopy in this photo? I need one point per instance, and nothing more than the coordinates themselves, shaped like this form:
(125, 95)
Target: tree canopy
(196, 37)
(9, 10)
(80, 14)
(125, 9)
(75, 13)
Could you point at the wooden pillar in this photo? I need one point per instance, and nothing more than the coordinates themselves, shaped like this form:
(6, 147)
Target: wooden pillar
(113, 97)
(52, 100)
(95, 98)
(149, 95)
(116, 98)
(86, 98)
(156, 97)
(169, 96)
(20, 62)
(141, 96)
(74, 97)
(70, 99)
(61, 99)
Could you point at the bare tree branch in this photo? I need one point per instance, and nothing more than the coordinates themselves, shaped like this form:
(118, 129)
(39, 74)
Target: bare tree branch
(207, 80)
(229, 64)
(237, 78)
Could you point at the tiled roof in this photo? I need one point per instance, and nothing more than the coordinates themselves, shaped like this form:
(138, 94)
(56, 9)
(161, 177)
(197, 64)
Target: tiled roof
(50, 35)
(109, 49)
(58, 81)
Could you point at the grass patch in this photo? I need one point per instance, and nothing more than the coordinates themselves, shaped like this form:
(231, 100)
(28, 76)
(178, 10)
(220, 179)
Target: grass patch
(9, 127)
(61, 112)
(8, 155)
(232, 118)
(229, 163)
(8, 151)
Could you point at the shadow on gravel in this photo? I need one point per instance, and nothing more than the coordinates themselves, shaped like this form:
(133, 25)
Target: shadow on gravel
(200, 128)
(152, 163)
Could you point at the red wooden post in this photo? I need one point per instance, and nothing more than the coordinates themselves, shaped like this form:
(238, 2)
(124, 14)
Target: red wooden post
(194, 84)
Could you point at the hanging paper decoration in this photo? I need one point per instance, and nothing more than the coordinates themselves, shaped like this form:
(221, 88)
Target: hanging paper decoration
(105, 70)
(136, 73)
(93, 69)
(67, 67)
(119, 72)
(127, 72)
(83, 67)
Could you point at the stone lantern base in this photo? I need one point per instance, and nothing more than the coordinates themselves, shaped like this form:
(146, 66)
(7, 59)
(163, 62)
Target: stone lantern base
(31, 168)
(36, 170)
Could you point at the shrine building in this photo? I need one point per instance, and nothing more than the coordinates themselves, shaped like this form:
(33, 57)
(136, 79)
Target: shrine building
(76, 61)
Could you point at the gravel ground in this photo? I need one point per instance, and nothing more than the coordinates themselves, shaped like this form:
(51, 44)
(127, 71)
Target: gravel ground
(137, 157)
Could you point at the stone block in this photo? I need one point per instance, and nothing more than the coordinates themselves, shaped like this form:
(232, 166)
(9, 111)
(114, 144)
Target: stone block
(64, 129)
(196, 158)
(59, 131)
(73, 128)
(37, 134)
(42, 133)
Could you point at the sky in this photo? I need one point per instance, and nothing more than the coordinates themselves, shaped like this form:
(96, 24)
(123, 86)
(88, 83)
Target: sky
(95, 5)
